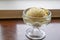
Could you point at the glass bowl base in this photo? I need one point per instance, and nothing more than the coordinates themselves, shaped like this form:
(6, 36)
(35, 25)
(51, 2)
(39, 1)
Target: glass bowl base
(35, 37)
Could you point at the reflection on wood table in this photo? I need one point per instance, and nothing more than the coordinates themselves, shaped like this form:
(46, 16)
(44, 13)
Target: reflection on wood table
(15, 30)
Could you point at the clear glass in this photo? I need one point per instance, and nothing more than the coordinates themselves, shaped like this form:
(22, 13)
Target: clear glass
(36, 23)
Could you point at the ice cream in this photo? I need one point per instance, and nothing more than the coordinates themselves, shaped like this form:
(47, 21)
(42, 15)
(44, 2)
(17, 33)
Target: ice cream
(36, 16)
(36, 12)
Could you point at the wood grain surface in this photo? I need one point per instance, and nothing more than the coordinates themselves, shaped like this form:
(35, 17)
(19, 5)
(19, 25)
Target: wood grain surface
(15, 30)
(18, 13)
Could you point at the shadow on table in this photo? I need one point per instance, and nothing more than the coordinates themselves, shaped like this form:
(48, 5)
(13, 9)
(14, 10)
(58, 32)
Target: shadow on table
(34, 39)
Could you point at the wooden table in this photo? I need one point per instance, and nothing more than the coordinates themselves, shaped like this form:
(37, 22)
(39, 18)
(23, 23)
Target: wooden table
(15, 30)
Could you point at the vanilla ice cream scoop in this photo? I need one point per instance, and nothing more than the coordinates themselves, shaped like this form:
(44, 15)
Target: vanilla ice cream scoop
(36, 15)
(36, 12)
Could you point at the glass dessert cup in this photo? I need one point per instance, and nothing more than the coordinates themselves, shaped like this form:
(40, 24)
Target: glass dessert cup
(36, 22)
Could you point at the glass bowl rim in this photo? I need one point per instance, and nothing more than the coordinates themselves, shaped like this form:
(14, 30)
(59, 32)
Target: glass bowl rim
(34, 17)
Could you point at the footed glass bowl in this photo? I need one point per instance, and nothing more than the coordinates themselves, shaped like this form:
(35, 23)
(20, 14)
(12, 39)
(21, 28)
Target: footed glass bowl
(36, 22)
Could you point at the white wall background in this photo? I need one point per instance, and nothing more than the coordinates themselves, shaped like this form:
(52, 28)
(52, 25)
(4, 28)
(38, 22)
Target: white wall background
(19, 5)
(29, 0)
